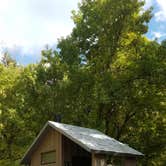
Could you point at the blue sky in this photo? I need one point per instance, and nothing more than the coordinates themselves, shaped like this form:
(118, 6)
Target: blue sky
(26, 26)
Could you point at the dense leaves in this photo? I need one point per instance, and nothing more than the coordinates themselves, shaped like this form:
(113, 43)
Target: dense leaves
(106, 75)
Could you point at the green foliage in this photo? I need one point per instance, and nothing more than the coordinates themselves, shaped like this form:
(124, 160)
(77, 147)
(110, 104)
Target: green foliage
(106, 75)
(7, 60)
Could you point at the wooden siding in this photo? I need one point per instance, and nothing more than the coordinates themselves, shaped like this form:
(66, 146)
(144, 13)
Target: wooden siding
(51, 141)
(98, 160)
(130, 161)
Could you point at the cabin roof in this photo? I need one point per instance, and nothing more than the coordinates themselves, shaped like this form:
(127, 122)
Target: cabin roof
(90, 139)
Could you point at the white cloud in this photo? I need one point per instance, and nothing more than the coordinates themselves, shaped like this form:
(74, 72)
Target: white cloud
(35, 22)
(158, 35)
(26, 26)
(161, 14)
(4, 5)
(148, 4)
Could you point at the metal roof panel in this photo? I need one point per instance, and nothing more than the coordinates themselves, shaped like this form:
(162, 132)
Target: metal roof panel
(94, 139)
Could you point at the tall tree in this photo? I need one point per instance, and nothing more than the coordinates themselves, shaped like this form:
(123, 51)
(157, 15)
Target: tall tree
(122, 65)
(105, 37)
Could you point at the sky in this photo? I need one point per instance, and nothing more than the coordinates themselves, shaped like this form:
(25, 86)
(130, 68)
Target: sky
(27, 26)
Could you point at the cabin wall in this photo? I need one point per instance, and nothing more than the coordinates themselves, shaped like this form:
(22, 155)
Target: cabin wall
(52, 141)
(99, 160)
(130, 162)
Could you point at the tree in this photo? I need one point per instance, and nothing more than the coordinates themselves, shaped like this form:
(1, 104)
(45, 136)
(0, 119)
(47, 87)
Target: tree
(104, 35)
(8, 115)
(123, 69)
(15, 134)
(7, 60)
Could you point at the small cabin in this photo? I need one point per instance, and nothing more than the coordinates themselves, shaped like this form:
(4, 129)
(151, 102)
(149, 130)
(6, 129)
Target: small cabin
(66, 145)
